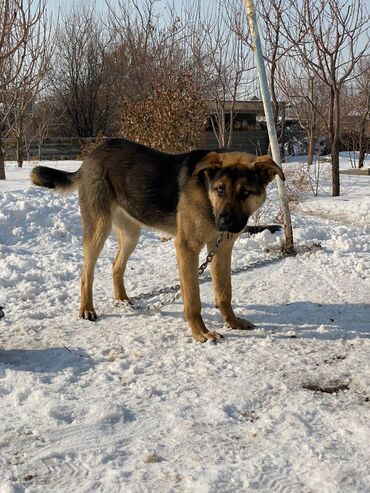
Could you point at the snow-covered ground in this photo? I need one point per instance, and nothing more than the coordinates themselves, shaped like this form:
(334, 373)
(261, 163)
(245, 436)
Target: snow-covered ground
(130, 404)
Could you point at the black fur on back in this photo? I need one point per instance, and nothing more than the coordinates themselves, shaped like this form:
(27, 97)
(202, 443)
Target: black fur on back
(144, 181)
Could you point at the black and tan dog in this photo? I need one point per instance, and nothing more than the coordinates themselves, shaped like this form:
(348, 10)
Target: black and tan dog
(192, 196)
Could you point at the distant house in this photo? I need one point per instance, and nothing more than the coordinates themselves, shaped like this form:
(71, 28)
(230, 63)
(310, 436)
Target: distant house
(249, 129)
(354, 121)
(356, 131)
(354, 127)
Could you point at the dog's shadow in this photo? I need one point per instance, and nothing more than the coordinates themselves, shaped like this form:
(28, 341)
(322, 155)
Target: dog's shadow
(45, 360)
(331, 321)
(304, 320)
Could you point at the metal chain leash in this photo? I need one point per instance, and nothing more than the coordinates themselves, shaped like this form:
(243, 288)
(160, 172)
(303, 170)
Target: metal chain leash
(135, 302)
(210, 255)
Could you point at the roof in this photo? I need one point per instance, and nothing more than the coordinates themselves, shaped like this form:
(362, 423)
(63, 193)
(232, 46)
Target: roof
(254, 106)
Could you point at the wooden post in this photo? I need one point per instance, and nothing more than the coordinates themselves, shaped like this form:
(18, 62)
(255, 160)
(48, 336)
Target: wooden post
(265, 93)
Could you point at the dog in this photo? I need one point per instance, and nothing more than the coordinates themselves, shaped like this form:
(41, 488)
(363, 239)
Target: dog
(191, 196)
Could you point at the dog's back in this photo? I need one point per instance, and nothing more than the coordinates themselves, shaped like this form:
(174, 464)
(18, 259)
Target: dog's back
(144, 182)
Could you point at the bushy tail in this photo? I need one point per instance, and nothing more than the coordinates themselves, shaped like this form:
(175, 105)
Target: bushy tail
(61, 181)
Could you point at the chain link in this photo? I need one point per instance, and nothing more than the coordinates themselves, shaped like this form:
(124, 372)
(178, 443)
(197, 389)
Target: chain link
(210, 255)
(135, 302)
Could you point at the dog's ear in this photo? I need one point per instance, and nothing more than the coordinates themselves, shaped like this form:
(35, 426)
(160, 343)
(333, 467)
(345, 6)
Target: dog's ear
(267, 169)
(212, 160)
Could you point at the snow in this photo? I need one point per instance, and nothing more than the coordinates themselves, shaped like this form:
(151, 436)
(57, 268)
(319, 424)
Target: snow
(131, 404)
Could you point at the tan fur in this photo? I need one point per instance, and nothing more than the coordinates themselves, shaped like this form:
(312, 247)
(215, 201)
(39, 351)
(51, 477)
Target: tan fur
(250, 161)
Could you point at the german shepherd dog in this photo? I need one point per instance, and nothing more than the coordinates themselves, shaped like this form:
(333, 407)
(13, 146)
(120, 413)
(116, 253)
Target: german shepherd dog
(192, 196)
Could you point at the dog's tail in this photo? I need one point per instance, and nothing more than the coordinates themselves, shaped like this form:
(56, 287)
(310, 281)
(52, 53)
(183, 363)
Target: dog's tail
(61, 181)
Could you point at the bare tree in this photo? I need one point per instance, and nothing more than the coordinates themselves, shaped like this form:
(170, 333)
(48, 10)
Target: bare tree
(326, 35)
(137, 45)
(21, 21)
(364, 108)
(42, 121)
(276, 46)
(223, 63)
(24, 89)
(358, 109)
(78, 80)
(306, 98)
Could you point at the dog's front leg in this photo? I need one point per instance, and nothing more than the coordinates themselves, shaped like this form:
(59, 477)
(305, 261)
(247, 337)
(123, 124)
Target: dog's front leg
(221, 279)
(187, 260)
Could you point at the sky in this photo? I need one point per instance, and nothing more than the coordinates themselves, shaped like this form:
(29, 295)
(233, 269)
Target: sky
(53, 5)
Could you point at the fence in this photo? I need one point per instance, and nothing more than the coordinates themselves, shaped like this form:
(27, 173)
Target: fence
(52, 148)
(69, 148)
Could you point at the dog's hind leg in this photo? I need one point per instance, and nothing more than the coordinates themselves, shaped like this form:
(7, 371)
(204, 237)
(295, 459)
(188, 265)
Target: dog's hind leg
(127, 231)
(96, 231)
(221, 280)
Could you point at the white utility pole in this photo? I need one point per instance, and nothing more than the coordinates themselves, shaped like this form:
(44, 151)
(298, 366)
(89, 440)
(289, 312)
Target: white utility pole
(266, 98)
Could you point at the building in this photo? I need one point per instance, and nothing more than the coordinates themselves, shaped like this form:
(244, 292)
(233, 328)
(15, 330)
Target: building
(249, 133)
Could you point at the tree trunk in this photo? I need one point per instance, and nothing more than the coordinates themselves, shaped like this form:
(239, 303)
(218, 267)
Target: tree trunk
(275, 106)
(20, 153)
(362, 139)
(334, 126)
(361, 144)
(20, 144)
(311, 146)
(337, 133)
(282, 134)
(335, 167)
(222, 129)
(311, 128)
(231, 129)
(2, 162)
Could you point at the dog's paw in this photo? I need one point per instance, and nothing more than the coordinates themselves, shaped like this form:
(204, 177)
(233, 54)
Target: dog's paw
(88, 315)
(207, 336)
(241, 324)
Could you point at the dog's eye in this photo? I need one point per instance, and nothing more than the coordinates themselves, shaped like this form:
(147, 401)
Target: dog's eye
(245, 194)
(220, 190)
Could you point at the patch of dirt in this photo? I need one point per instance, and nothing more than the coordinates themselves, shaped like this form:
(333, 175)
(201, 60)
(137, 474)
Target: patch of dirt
(326, 389)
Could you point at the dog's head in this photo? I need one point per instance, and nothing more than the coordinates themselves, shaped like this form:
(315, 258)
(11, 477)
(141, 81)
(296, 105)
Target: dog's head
(236, 184)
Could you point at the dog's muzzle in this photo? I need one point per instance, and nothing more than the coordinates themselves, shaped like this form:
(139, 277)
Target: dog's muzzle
(231, 224)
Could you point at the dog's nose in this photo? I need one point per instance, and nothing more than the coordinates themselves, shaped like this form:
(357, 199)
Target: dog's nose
(226, 222)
